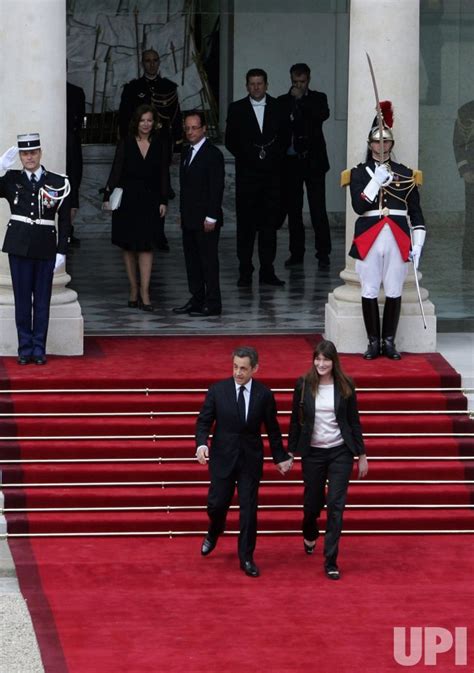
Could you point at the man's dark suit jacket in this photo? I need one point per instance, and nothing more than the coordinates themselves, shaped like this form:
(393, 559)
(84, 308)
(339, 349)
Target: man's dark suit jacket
(231, 435)
(347, 416)
(244, 139)
(202, 187)
(310, 111)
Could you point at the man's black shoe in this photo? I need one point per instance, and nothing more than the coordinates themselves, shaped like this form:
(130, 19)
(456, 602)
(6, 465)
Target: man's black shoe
(204, 312)
(186, 308)
(39, 359)
(207, 546)
(23, 359)
(249, 568)
(244, 281)
(324, 263)
(271, 280)
(332, 572)
(294, 261)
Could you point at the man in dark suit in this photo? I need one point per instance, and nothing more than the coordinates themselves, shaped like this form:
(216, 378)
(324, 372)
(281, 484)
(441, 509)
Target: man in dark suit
(306, 163)
(256, 137)
(234, 409)
(35, 250)
(202, 188)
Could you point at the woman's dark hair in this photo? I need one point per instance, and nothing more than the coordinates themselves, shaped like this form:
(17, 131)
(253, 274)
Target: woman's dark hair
(138, 114)
(341, 380)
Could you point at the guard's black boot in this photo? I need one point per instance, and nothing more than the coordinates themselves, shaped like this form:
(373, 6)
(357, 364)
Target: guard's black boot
(370, 311)
(391, 315)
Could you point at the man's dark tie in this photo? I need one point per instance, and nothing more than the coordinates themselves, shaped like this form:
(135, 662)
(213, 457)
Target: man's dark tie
(189, 154)
(241, 403)
(33, 179)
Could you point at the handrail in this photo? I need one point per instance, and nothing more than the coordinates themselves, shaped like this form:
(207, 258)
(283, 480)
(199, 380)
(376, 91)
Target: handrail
(148, 391)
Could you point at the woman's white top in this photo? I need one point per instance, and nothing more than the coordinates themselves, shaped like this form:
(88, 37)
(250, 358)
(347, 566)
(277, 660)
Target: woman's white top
(326, 432)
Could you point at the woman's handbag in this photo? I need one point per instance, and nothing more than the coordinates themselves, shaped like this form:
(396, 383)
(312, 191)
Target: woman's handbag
(115, 199)
(301, 405)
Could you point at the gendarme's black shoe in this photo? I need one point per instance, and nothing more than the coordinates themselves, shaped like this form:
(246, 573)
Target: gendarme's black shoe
(389, 350)
(207, 546)
(249, 568)
(373, 349)
(24, 359)
(39, 359)
(309, 548)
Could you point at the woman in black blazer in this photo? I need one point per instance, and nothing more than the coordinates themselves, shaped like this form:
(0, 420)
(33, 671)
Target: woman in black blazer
(325, 430)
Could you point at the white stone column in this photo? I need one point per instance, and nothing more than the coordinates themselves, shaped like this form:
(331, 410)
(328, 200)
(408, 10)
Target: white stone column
(389, 32)
(33, 99)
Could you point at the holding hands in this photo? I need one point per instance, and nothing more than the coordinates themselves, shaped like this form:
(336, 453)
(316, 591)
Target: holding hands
(286, 465)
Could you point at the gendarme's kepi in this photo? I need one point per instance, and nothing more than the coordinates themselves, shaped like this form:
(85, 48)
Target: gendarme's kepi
(28, 141)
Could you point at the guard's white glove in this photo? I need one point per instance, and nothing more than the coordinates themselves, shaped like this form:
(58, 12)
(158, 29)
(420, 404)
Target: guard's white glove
(381, 177)
(418, 238)
(8, 158)
(60, 259)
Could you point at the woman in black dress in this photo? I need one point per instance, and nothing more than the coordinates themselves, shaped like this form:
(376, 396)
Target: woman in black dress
(141, 169)
(325, 430)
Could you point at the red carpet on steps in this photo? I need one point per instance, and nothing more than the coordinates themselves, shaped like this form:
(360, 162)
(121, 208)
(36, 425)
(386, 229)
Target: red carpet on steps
(197, 361)
(147, 605)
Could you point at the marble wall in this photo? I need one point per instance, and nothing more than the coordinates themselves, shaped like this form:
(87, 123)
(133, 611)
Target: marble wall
(105, 39)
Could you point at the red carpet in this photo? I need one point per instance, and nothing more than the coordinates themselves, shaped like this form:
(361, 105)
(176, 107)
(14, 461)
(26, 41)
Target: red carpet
(114, 445)
(155, 606)
(152, 604)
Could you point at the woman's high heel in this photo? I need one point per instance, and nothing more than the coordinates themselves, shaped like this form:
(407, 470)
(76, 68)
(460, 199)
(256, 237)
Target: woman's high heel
(133, 304)
(145, 307)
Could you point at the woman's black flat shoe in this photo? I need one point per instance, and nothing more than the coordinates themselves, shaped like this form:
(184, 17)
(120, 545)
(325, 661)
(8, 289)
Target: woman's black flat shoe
(147, 307)
(309, 548)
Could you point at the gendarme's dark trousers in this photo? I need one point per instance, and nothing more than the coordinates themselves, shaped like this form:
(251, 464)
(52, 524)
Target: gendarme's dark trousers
(297, 174)
(321, 465)
(220, 496)
(32, 281)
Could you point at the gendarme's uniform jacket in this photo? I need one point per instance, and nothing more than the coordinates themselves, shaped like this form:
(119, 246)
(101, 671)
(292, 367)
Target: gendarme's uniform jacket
(35, 241)
(400, 195)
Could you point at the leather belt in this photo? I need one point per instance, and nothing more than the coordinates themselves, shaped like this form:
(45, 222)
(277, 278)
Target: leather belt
(384, 212)
(28, 220)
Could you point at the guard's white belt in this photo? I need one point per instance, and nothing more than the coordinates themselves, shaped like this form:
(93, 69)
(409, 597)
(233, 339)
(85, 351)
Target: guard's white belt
(384, 212)
(28, 220)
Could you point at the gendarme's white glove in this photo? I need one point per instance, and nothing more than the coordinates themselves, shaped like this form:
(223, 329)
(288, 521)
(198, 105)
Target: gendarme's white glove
(60, 259)
(8, 158)
(418, 239)
(380, 178)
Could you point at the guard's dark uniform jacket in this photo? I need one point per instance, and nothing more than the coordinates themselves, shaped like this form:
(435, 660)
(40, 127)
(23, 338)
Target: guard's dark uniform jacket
(27, 239)
(400, 195)
(162, 94)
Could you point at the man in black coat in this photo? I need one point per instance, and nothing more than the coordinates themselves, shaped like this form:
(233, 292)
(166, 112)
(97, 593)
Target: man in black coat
(35, 250)
(255, 135)
(202, 188)
(306, 163)
(234, 410)
(75, 112)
